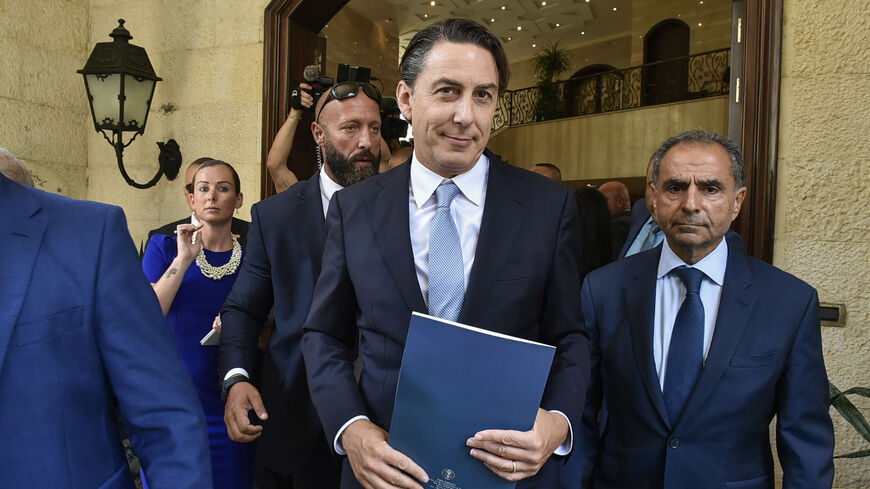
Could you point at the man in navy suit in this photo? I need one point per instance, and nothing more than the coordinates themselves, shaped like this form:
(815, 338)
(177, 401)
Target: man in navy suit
(516, 234)
(79, 328)
(697, 346)
(280, 269)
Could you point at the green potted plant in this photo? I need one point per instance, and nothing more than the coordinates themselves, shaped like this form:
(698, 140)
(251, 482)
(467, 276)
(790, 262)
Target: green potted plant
(851, 414)
(550, 63)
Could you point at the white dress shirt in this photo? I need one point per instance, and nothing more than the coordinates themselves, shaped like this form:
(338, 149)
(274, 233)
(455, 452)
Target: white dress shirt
(328, 188)
(670, 293)
(467, 213)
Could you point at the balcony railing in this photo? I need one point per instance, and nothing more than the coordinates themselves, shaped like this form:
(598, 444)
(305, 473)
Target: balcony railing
(674, 80)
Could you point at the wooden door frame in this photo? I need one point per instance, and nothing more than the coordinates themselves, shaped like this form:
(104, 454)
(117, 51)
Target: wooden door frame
(755, 118)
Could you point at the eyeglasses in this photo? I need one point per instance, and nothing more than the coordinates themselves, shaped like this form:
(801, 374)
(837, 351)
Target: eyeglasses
(346, 90)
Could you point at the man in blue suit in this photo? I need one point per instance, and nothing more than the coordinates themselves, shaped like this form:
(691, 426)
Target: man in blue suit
(512, 267)
(697, 346)
(79, 328)
(280, 269)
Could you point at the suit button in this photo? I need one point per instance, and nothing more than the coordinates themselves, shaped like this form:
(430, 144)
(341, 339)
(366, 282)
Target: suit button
(674, 443)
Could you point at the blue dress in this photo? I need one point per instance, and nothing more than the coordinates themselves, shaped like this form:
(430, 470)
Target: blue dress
(198, 301)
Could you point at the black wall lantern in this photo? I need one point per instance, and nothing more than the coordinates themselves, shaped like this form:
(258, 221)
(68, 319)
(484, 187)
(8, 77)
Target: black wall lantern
(120, 82)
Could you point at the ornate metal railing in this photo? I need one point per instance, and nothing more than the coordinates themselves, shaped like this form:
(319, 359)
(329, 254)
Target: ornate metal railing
(691, 77)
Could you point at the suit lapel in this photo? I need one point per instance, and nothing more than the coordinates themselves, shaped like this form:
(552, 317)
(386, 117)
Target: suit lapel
(640, 296)
(390, 224)
(502, 215)
(20, 240)
(735, 307)
(313, 226)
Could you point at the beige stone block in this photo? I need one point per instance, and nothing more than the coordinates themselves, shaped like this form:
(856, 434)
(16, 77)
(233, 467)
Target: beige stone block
(56, 25)
(58, 135)
(10, 68)
(828, 116)
(238, 22)
(820, 199)
(821, 39)
(50, 78)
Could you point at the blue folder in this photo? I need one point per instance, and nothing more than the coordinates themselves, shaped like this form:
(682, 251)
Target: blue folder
(457, 380)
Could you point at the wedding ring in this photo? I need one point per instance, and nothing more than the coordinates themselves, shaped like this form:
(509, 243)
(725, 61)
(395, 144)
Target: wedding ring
(515, 467)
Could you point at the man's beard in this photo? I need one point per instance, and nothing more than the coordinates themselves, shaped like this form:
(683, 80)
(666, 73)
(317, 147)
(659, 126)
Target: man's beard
(344, 170)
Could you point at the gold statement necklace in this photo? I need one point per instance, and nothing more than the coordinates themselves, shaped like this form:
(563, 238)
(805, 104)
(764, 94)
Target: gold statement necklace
(228, 268)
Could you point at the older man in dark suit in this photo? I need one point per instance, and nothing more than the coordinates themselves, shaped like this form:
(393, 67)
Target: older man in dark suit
(697, 346)
(457, 233)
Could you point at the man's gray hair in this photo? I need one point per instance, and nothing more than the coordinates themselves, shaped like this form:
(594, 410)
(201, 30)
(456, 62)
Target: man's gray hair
(701, 137)
(13, 168)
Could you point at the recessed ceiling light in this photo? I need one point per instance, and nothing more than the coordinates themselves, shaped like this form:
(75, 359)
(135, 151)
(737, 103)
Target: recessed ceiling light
(509, 39)
(699, 24)
(491, 21)
(503, 7)
(587, 1)
(543, 4)
(519, 27)
(432, 3)
(701, 2)
(614, 9)
(535, 45)
(557, 25)
(425, 16)
(582, 33)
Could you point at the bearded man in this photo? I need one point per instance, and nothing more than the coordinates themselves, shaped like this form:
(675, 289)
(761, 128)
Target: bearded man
(285, 245)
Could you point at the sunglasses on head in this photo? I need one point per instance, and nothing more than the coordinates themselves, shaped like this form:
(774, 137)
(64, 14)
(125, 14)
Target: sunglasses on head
(346, 90)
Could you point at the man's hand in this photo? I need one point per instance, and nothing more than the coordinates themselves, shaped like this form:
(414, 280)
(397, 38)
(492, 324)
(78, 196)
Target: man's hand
(516, 455)
(375, 464)
(243, 397)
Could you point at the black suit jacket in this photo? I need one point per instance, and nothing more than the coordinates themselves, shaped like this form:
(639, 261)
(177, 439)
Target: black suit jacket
(639, 216)
(280, 268)
(239, 227)
(524, 282)
(765, 359)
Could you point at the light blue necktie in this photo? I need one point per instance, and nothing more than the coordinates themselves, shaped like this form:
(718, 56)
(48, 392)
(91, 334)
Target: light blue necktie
(686, 353)
(649, 236)
(446, 271)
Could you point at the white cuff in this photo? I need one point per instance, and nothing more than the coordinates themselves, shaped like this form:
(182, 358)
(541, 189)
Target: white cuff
(336, 444)
(565, 448)
(235, 371)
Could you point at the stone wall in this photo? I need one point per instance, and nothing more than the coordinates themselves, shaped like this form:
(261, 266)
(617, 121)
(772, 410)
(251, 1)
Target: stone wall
(44, 115)
(823, 187)
(210, 56)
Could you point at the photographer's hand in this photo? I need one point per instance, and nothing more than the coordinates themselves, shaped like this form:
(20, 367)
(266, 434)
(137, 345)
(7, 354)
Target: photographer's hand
(276, 162)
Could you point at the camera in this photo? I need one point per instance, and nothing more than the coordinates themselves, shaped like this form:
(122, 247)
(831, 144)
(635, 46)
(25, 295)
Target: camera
(392, 124)
(320, 84)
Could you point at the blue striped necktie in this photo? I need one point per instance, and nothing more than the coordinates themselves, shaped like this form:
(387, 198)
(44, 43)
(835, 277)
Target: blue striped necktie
(446, 270)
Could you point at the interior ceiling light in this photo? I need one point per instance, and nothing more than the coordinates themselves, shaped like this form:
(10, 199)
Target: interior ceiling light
(543, 4)
(614, 9)
(582, 33)
(535, 45)
(491, 21)
(519, 27)
(503, 7)
(699, 24)
(432, 3)
(557, 25)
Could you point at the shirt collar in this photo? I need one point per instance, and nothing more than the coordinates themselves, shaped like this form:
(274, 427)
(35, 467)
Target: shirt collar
(471, 183)
(328, 186)
(713, 265)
